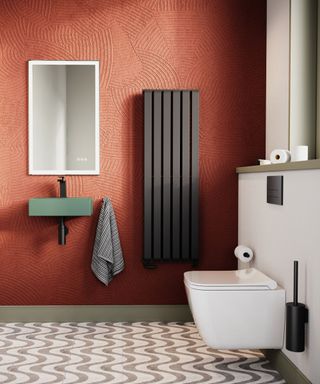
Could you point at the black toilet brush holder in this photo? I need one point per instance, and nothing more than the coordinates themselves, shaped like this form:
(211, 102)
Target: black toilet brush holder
(297, 317)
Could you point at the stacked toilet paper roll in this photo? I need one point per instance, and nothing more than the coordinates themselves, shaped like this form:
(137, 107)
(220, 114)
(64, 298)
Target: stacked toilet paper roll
(280, 156)
(243, 253)
(299, 153)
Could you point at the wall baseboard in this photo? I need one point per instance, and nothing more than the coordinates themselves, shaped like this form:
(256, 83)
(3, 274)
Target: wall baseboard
(285, 367)
(94, 313)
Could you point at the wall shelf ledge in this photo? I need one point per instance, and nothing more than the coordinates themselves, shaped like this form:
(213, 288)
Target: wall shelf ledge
(291, 166)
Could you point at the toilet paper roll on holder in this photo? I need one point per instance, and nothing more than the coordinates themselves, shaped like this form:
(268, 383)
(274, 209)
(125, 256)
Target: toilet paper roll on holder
(243, 253)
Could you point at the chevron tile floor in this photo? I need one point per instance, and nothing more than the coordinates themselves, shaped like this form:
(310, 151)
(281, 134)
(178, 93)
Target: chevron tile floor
(122, 353)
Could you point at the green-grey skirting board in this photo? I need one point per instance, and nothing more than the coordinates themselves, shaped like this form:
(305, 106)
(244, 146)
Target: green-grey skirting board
(95, 313)
(285, 367)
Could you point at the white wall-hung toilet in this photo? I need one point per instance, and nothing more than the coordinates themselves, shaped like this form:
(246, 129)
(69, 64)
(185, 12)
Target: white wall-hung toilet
(237, 309)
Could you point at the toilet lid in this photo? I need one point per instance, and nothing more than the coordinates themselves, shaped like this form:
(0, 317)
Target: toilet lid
(243, 279)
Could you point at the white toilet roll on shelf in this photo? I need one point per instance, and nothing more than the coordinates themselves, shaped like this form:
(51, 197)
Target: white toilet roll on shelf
(243, 253)
(299, 153)
(264, 162)
(278, 156)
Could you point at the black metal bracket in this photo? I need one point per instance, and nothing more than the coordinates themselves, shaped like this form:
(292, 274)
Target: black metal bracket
(62, 231)
(306, 315)
(148, 264)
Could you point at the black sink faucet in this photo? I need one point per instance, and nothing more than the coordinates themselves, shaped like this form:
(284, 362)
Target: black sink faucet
(63, 186)
(62, 228)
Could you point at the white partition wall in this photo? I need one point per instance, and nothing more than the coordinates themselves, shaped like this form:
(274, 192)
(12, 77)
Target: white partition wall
(279, 235)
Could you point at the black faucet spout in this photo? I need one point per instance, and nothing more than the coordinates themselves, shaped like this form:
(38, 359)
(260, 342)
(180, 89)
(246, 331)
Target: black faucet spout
(62, 228)
(63, 186)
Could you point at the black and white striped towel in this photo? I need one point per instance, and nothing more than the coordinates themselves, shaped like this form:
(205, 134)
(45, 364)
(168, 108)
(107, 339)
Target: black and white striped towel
(107, 259)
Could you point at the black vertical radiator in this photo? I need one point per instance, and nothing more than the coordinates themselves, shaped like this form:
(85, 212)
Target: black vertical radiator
(171, 176)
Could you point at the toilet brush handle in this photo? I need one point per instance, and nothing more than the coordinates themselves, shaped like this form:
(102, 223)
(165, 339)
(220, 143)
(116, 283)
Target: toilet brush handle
(295, 282)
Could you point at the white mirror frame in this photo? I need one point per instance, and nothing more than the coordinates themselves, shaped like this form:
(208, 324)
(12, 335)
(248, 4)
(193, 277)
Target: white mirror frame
(33, 171)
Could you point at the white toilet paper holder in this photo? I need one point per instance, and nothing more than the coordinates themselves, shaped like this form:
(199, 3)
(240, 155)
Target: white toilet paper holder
(243, 253)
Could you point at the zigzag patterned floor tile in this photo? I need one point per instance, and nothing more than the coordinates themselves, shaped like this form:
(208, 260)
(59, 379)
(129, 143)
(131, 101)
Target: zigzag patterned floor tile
(122, 353)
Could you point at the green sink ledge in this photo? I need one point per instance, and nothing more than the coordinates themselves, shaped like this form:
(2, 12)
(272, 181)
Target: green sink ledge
(61, 206)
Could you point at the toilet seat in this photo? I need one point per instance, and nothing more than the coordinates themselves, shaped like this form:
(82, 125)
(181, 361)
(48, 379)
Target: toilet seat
(240, 280)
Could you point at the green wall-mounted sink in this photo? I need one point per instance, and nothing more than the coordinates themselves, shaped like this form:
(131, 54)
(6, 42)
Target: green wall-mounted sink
(61, 206)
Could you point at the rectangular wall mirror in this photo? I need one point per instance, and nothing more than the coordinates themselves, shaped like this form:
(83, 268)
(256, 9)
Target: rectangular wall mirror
(63, 117)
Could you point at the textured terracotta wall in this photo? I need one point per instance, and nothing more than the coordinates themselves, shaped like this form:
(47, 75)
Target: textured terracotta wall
(217, 46)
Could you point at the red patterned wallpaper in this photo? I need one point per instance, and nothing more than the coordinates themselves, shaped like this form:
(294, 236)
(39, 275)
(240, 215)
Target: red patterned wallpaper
(217, 46)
